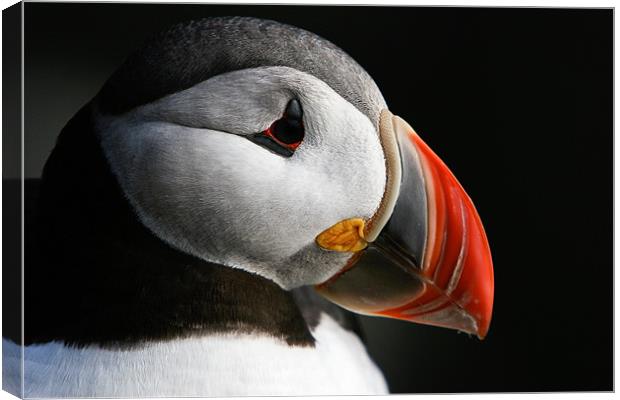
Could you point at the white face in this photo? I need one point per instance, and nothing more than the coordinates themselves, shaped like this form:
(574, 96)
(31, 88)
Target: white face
(195, 180)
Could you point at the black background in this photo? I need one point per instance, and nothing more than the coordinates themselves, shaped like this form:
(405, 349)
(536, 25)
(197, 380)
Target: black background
(518, 102)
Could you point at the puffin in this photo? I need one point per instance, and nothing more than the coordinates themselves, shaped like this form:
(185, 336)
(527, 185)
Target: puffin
(209, 223)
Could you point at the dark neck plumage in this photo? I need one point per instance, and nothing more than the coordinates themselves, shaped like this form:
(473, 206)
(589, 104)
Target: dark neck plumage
(95, 275)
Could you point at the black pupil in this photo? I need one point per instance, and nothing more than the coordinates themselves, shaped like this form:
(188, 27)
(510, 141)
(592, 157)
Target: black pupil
(290, 128)
(288, 131)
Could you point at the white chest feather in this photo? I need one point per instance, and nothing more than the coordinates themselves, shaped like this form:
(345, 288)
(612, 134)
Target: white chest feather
(222, 365)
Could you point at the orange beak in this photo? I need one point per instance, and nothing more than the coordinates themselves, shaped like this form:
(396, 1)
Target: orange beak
(427, 258)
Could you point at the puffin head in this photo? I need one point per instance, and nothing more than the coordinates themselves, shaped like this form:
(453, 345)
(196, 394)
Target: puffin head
(263, 147)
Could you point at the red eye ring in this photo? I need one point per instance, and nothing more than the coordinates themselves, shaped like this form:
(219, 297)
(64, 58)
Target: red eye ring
(288, 131)
(285, 135)
(270, 133)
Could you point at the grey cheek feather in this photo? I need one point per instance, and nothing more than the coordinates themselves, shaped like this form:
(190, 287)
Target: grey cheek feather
(233, 102)
(198, 184)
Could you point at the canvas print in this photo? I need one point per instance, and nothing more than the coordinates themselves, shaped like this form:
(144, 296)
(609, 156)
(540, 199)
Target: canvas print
(231, 206)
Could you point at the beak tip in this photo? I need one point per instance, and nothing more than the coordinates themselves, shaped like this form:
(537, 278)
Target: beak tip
(483, 328)
(484, 319)
(481, 309)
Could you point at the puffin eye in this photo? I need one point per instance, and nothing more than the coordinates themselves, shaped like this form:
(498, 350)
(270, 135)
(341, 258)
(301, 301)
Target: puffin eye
(286, 131)
(285, 134)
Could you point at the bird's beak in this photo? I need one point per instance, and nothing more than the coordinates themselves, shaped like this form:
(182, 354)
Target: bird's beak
(424, 256)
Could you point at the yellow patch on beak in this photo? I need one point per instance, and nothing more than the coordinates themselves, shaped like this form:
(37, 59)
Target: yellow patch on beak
(346, 235)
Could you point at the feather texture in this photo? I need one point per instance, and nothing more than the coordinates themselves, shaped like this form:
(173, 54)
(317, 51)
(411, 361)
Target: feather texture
(213, 365)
